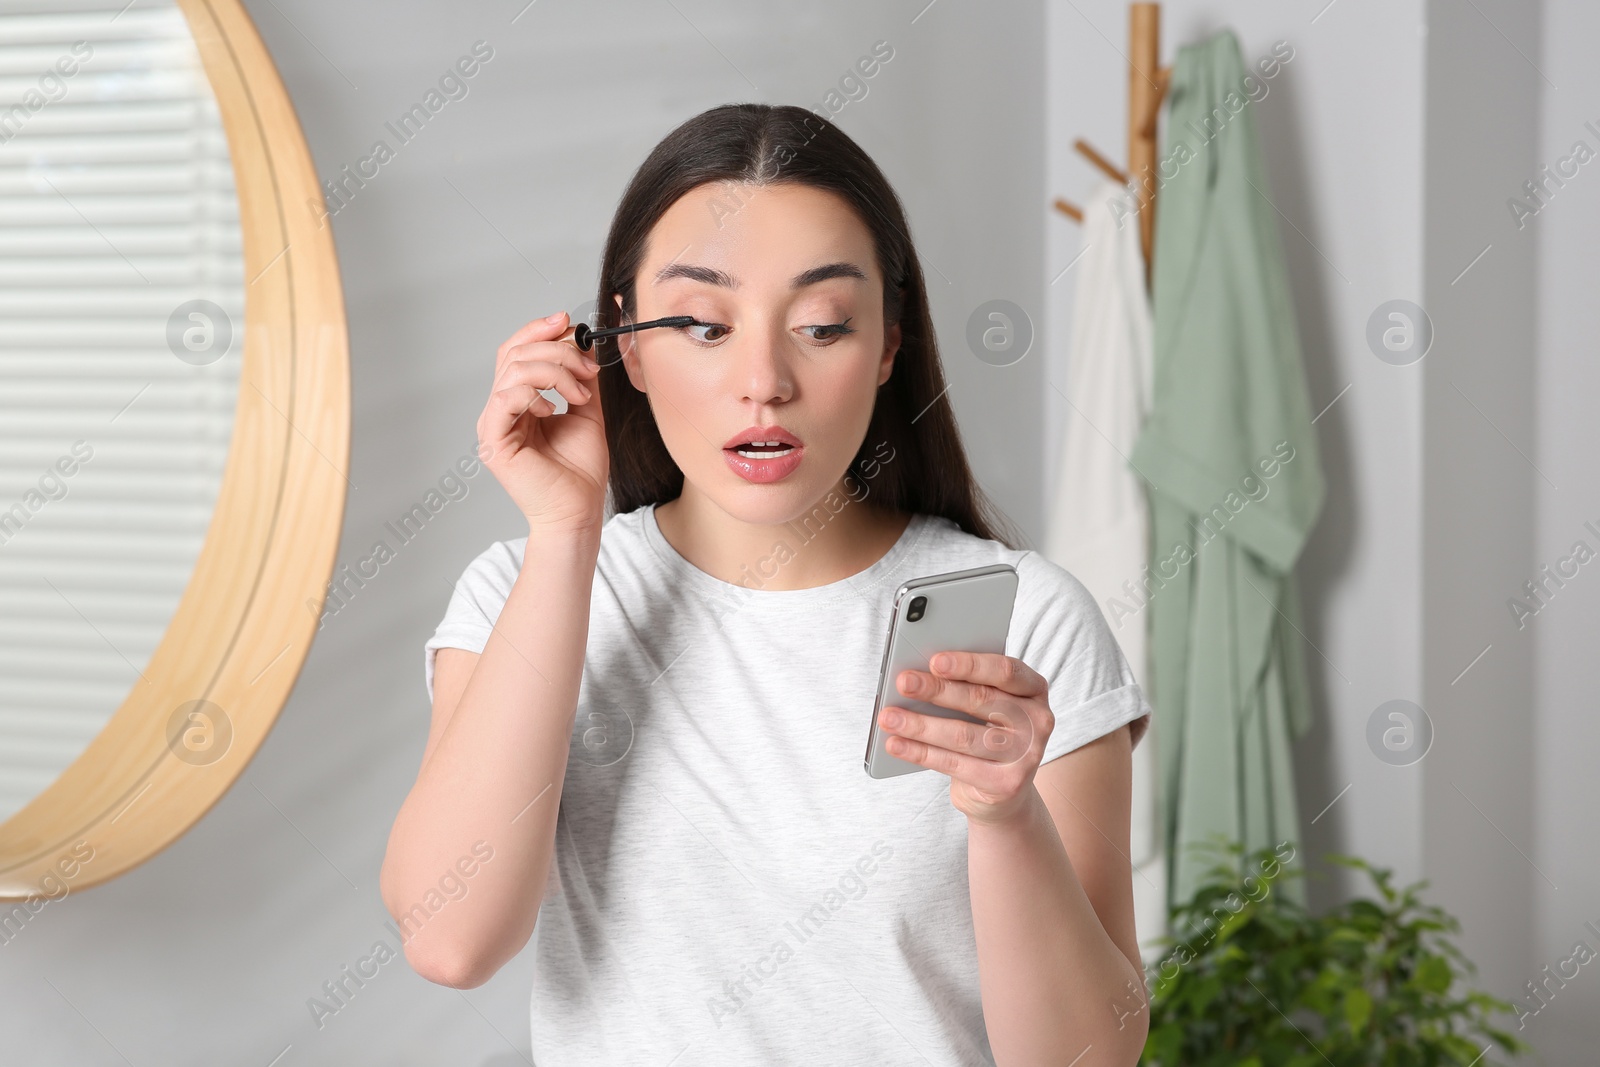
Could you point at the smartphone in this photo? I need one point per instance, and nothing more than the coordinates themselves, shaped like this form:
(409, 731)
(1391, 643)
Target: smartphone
(960, 611)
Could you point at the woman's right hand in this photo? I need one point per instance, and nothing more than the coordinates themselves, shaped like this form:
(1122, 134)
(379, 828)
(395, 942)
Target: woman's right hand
(555, 469)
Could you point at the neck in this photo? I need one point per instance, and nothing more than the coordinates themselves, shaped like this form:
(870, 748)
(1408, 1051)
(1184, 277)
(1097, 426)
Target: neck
(836, 537)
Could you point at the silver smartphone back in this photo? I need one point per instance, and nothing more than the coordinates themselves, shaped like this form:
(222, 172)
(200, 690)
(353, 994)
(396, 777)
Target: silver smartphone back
(965, 611)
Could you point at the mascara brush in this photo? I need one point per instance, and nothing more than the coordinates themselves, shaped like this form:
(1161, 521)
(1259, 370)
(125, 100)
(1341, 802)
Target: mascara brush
(582, 336)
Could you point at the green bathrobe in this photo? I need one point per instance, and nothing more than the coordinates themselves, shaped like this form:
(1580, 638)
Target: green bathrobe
(1230, 457)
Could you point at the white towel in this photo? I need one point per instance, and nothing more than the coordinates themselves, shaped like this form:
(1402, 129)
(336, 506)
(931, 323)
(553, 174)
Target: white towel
(1099, 526)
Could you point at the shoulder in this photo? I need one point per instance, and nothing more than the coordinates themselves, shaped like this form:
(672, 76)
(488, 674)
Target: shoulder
(492, 572)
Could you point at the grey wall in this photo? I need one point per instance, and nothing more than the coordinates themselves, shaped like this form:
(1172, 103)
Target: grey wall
(1565, 444)
(495, 213)
(1482, 103)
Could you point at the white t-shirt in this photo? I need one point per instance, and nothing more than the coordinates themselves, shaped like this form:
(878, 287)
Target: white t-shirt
(729, 885)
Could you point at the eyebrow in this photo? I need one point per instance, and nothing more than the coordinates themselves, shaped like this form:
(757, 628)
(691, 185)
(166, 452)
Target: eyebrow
(712, 276)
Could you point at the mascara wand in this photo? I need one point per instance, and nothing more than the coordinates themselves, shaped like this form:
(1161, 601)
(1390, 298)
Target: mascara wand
(582, 336)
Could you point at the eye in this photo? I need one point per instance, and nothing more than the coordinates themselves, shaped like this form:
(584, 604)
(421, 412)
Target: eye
(832, 330)
(710, 326)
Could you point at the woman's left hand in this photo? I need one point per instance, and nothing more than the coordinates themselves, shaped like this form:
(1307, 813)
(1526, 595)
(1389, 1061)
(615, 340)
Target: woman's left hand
(991, 767)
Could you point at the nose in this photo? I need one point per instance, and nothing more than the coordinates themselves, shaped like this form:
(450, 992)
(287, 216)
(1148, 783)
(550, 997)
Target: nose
(763, 370)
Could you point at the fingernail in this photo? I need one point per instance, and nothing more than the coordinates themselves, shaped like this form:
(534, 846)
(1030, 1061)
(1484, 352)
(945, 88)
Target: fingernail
(591, 364)
(941, 662)
(890, 717)
(554, 318)
(913, 683)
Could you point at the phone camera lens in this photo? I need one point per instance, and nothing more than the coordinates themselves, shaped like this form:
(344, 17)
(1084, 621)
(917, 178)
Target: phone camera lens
(914, 612)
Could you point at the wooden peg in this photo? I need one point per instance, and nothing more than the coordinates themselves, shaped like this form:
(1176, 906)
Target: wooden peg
(1106, 166)
(1070, 210)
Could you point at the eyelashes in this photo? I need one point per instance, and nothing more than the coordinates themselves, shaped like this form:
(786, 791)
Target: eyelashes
(706, 343)
(838, 329)
(827, 335)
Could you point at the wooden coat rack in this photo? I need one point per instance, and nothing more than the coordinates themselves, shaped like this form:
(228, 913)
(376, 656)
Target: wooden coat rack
(1147, 88)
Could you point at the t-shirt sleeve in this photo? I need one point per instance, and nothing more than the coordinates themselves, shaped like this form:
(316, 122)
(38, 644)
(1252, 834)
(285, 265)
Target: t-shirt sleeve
(475, 605)
(1059, 631)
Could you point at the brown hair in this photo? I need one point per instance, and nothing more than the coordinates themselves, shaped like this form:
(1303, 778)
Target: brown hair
(764, 144)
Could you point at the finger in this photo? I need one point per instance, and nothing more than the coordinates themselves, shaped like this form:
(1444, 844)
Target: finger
(1005, 673)
(948, 692)
(506, 406)
(522, 397)
(495, 423)
(979, 700)
(541, 329)
(543, 375)
(1003, 738)
(999, 779)
(581, 364)
(944, 692)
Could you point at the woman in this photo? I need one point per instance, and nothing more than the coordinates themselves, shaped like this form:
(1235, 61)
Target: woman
(656, 720)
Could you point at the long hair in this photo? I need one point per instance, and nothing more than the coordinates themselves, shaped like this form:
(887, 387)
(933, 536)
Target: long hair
(764, 144)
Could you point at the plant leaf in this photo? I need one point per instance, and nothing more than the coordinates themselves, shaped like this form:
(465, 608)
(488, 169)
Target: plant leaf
(1434, 974)
(1357, 1009)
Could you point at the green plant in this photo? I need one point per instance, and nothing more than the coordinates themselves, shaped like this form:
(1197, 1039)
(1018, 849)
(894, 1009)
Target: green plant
(1254, 980)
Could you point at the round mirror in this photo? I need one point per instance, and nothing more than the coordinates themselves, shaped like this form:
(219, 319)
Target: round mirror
(174, 424)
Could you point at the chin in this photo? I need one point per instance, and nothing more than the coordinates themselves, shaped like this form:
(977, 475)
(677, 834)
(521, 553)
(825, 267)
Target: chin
(772, 504)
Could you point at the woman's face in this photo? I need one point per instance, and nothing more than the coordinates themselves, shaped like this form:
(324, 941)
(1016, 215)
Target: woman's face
(787, 275)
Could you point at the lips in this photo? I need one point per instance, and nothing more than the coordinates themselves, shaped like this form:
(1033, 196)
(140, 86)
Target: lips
(762, 433)
(763, 454)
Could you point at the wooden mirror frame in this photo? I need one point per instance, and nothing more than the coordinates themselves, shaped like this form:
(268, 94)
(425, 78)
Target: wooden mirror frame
(247, 617)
